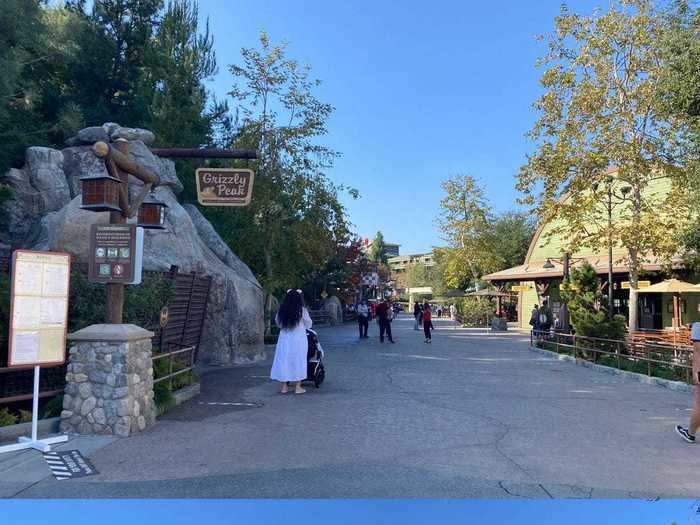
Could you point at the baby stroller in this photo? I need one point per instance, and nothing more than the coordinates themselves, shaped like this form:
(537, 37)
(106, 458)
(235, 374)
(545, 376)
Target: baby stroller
(314, 362)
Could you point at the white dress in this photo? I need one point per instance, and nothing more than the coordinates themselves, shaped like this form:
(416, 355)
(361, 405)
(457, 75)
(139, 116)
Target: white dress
(292, 348)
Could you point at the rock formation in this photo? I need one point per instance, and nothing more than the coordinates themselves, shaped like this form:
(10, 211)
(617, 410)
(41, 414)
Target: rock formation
(46, 214)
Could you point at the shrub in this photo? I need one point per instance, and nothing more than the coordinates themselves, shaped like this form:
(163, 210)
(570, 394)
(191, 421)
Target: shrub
(142, 303)
(475, 311)
(53, 408)
(7, 418)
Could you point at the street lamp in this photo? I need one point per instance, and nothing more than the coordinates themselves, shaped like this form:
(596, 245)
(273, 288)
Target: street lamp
(612, 198)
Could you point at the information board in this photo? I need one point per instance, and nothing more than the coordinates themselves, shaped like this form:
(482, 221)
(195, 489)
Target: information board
(39, 308)
(112, 249)
(224, 186)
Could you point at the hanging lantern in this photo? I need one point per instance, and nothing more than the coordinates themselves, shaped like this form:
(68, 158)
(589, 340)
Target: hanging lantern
(152, 213)
(100, 193)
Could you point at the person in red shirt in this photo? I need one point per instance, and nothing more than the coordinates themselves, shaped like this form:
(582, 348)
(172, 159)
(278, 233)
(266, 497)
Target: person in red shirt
(427, 322)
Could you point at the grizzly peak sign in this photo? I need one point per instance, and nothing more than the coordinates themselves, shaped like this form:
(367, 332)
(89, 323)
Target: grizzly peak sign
(224, 186)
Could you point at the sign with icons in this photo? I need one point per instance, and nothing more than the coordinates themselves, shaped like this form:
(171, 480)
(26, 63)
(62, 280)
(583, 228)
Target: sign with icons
(112, 253)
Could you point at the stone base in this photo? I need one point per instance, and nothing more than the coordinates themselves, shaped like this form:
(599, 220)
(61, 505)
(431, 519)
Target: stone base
(109, 381)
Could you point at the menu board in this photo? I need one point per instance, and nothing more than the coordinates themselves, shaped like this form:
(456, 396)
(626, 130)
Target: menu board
(112, 248)
(39, 308)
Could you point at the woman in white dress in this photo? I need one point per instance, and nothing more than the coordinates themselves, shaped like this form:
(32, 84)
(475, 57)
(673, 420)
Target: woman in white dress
(292, 345)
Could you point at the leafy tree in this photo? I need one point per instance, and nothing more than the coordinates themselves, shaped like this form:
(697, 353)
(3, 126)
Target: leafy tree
(509, 239)
(295, 221)
(601, 108)
(464, 219)
(584, 299)
(184, 60)
(22, 48)
(680, 91)
(377, 249)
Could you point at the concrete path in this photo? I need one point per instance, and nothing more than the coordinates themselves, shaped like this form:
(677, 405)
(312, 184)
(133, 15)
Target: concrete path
(473, 415)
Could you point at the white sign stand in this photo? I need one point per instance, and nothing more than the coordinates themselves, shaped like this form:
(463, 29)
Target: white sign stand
(43, 445)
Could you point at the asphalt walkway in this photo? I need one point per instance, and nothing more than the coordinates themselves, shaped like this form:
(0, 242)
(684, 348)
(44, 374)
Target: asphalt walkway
(473, 415)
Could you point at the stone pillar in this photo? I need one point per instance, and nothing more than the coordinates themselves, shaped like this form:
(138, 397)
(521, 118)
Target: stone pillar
(109, 382)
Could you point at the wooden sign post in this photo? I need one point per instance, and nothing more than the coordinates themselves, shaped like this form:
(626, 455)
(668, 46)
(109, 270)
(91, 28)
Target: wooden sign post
(38, 324)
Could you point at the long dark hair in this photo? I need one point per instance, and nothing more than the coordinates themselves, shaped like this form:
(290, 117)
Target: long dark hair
(290, 310)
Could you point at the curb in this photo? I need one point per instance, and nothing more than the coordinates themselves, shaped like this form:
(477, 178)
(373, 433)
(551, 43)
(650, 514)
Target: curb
(45, 426)
(676, 386)
(187, 393)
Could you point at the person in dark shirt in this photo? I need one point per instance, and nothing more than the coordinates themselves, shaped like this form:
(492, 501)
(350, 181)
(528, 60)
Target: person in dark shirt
(416, 315)
(384, 317)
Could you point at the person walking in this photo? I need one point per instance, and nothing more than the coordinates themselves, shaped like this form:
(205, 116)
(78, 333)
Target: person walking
(427, 323)
(688, 433)
(416, 315)
(453, 312)
(289, 364)
(363, 318)
(384, 317)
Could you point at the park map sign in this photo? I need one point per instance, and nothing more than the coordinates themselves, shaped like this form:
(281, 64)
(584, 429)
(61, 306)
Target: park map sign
(224, 186)
(39, 308)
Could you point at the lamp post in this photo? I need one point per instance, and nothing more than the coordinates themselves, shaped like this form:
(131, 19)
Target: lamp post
(612, 200)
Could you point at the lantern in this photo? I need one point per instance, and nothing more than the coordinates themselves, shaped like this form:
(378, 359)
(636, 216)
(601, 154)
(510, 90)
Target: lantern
(151, 213)
(100, 193)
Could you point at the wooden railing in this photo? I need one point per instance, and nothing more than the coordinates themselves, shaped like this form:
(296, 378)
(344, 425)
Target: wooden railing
(636, 354)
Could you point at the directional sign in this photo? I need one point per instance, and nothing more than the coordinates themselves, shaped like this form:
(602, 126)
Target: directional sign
(224, 187)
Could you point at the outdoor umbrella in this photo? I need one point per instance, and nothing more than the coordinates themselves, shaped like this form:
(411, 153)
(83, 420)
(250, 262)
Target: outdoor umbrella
(675, 287)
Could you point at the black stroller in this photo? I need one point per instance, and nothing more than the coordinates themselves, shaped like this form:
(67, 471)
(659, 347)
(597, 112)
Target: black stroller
(314, 362)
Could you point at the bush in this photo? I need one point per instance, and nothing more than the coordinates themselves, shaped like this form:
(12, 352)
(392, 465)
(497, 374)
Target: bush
(7, 418)
(475, 311)
(142, 302)
(53, 408)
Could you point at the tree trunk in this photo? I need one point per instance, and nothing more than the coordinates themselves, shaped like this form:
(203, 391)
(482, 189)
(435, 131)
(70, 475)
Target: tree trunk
(268, 301)
(634, 282)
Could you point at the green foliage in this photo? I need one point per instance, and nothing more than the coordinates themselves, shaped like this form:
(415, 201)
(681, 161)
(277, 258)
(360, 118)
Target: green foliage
(53, 408)
(162, 397)
(478, 242)
(295, 223)
(589, 317)
(601, 108)
(376, 251)
(475, 311)
(142, 303)
(7, 418)
(25, 416)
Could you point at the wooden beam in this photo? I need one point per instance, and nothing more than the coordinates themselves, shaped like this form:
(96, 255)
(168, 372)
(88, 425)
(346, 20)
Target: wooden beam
(123, 162)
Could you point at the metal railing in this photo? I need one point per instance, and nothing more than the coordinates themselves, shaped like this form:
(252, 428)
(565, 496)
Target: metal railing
(172, 357)
(659, 359)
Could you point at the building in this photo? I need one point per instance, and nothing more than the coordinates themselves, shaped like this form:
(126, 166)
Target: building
(542, 271)
(401, 263)
(390, 249)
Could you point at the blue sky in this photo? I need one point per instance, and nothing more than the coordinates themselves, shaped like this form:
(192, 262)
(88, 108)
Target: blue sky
(422, 90)
(350, 512)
